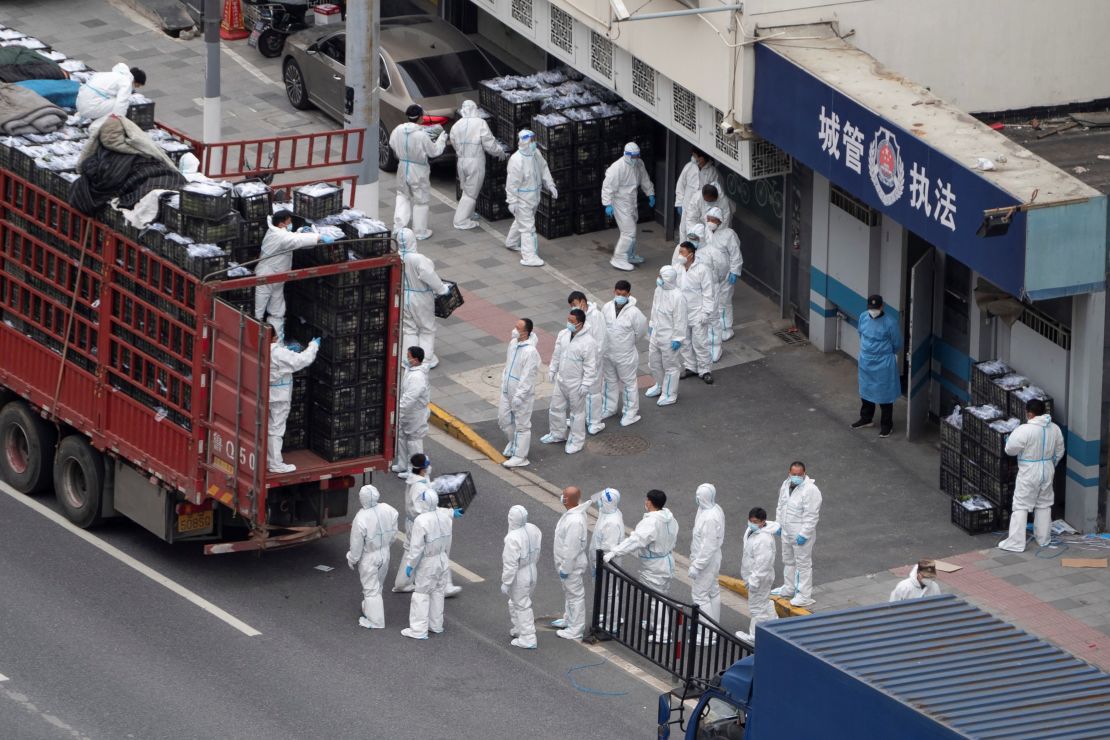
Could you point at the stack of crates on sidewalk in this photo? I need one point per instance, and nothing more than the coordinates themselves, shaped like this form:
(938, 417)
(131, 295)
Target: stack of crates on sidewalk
(975, 469)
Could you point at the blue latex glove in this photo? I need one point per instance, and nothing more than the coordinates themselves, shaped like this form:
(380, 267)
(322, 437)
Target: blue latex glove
(306, 229)
(675, 345)
(650, 330)
(732, 277)
(563, 576)
(651, 201)
(679, 209)
(316, 341)
(326, 239)
(408, 571)
(800, 540)
(608, 210)
(457, 513)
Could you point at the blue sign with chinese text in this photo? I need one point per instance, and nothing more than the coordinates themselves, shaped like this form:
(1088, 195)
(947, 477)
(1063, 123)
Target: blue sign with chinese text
(887, 167)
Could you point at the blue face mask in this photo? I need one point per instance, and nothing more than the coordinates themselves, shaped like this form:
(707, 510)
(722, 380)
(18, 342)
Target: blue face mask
(796, 480)
(571, 327)
(659, 282)
(753, 527)
(620, 300)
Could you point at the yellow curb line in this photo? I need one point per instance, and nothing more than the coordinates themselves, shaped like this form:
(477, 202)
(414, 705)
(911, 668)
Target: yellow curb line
(782, 606)
(460, 431)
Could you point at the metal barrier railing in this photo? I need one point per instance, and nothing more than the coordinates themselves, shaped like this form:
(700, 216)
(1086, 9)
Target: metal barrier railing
(673, 635)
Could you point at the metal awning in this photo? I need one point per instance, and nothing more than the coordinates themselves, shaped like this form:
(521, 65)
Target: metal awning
(912, 156)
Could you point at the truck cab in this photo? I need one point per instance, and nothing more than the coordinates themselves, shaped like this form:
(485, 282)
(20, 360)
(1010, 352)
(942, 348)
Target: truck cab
(721, 709)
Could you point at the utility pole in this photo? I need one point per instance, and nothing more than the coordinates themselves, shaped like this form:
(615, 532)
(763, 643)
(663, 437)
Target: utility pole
(211, 20)
(362, 101)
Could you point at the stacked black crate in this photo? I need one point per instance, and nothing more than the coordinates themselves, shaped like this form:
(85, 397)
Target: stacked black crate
(491, 198)
(951, 431)
(209, 220)
(555, 138)
(588, 165)
(974, 510)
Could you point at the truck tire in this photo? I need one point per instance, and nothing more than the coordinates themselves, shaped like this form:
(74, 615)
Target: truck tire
(79, 480)
(27, 445)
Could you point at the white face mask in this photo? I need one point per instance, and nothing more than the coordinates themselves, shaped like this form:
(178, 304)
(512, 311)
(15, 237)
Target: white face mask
(875, 312)
(711, 226)
(516, 333)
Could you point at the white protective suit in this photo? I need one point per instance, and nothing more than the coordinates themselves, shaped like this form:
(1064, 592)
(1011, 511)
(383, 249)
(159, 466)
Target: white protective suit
(911, 588)
(608, 533)
(472, 140)
(571, 535)
(518, 395)
(797, 512)
(428, 555)
(422, 285)
(283, 363)
(1038, 445)
(722, 202)
(758, 571)
(653, 540)
(625, 327)
(277, 257)
(574, 369)
(413, 148)
(518, 574)
(699, 289)
(105, 94)
(412, 415)
(372, 533)
(414, 488)
(667, 324)
(622, 179)
(687, 191)
(595, 402)
(526, 175)
(706, 539)
(729, 261)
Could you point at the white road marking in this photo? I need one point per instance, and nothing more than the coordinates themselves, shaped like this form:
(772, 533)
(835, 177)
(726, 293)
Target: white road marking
(464, 573)
(3, 677)
(250, 68)
(131, 562)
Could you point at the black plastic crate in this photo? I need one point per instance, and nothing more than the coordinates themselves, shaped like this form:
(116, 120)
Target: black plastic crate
(339, 349)
(371, 369)
(205, 205)
(587, 154)
(1002, 467)
(586, 199)
(949, 434)
(371, 347)
(558, 159)
(317, 206)
(170, 213)
(999, 491)
(950, 459)
(334, 448)
(256, 207)
(202, 267)
(587, 131)
(554, 225)
(337, 298)
(335, 399)
(585, 222)
(488, 95)
(334, 372)
(585, 176)
(294, 439)
(330, 422)
(336, 322)
(550, 205)
(554, 136)
(1016, 405)
(970, 471)
(370, 443)
(492, 207)
(970, 449)
(375, 296)
(974, 522)
(447, 303)
(999, 395)
(949, 482)
(459, 497)
(142, 114)
(372, 320)
(981, 381)
(616, 128)
(367, 247)
(210, 231)
(253, 233)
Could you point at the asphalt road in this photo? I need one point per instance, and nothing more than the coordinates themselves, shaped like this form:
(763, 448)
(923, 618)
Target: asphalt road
(92, 648)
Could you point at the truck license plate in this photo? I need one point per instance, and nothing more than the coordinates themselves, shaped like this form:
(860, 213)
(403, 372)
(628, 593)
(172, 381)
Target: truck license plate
(252, 40)
(194, 522)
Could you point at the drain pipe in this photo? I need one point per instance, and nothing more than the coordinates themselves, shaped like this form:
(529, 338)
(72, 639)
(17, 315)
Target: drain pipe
(840, 316)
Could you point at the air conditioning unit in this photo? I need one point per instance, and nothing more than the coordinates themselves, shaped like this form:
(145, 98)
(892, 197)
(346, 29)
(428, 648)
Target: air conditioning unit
(760, 158)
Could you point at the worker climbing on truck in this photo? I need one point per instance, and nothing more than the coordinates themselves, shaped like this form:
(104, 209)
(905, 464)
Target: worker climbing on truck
(277, 257)
(285, 359)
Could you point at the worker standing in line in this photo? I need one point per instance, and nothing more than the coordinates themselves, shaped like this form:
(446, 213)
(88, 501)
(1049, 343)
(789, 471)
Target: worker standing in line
(518, 575)
(285, 359)
(654, 539)
(518, 393)
(921, 582)
(372, 533)
(758, 570)
(595, 327)
(1038, 445)
(418, 480)
(706, 539)
(880, 340)
(277, 257)
(711, 197)
(625, 327)
(729, 261)
(666, 332)
(570, 561)
(608, 533)
(412, 410)
(699, 289)
(413, 147)
(798, 510)
(422, 285)
(698, 172)
(427, 564)
(574, 369)
(472, 140)
(525, 176)
(618, 195)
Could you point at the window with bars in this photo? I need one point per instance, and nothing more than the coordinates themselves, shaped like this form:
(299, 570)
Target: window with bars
(601, 55)
(562, 30)
(643, 81)
(853, 206)
(685, 108)
(522, 12)
(726, 144)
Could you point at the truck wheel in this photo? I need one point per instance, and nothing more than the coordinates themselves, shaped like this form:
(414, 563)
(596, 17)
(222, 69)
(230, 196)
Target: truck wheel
(26, 448)
(79, 480)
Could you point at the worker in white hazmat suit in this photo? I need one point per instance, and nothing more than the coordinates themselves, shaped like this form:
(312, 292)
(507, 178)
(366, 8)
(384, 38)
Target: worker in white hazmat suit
(758, 569)
(728, 261)
(574, 369)
(571, 535)
(625, 327)
(798, 510)
(608, 533)
(518, 575)
(518, 393)
(921, 582)
(1038, 445)
(595, 327)
(653, 540)
(412, 410)
(698, 172)
(472, 140)
(107, 93)
(422, 285)
(427, 563)
(372, 533)
(712, 197)
(618, 194)
(277, 249)
(418, 481)
(706, 539)
(699, 289)
(413, 147)
(666, 332)
(285, 359)
(526, 175)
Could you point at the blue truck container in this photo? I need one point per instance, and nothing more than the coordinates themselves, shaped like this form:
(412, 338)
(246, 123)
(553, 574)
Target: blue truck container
(929, 668)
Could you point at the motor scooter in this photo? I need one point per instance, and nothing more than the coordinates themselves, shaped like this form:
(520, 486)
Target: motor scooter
(271, 22)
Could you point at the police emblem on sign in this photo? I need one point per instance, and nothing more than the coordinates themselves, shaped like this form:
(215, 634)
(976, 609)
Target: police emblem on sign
(884, 163)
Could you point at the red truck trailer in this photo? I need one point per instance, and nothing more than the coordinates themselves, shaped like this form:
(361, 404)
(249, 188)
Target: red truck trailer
(137, 388)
